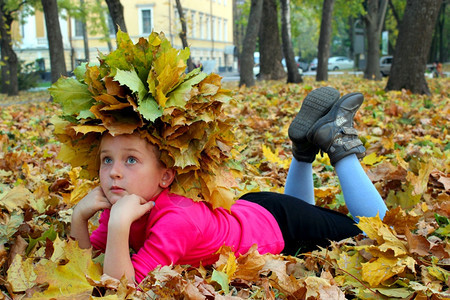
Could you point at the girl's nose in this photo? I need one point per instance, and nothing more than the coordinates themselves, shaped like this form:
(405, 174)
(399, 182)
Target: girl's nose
(116, 171)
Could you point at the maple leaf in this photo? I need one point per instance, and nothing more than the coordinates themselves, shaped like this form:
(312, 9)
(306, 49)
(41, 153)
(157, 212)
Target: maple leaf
(9, 226)
(15, 199)
(72, 95)
(67, 278)
(21, 274)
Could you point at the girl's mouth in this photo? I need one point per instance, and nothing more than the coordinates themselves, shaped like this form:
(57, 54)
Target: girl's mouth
(116, 189)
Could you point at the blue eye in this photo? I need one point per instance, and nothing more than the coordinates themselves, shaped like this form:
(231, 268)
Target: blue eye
(131, 160)
(107, 160)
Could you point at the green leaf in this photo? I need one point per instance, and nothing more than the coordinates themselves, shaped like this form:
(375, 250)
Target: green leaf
(7, 230)
(132, 80)
(222, 279)
(443, 230)
(85, 114)
(50, 234)
(181, 94)
(395, 292)
(73, 95)
(149, 109)
(80, 71)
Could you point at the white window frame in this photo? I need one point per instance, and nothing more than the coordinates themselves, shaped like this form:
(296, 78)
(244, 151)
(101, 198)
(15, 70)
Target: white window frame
(201, 25)
(225, 30)
(208, 27)
(110, 24)
(141, 9)
(214, 28)
(74, 29)
(193, 24)
(219, 29)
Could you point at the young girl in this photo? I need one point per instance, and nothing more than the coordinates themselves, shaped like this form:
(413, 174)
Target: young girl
(163, 228)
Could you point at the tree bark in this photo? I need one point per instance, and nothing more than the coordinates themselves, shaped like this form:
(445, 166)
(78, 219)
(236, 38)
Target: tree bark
(410, 56)
(374, 20)
(440, 31)
(116, 11)
(248, 47)
(269, 42)
(324, 41)
(182, 34)
(238, 30)
(54, 37)
(293, 74)
(10, 80)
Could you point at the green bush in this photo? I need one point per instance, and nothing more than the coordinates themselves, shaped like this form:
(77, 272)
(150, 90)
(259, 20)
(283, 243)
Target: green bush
(28, 76)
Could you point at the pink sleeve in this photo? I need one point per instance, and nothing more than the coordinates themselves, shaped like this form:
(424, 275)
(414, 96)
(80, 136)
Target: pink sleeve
(99, 235)
(170, 239)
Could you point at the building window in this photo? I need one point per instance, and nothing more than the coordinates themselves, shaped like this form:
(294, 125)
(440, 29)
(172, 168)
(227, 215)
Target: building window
(146, 20)
(78, 28)
(208, 28)
(193, 24)
(111, 29)
(225, 31)
(220, 28)
(202, 28)
(214, 28)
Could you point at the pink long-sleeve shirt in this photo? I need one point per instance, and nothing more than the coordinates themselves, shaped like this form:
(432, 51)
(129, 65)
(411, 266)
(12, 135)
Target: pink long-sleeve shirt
(180, 231)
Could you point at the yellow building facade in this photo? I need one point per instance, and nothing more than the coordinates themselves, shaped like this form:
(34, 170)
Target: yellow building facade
(209, 32)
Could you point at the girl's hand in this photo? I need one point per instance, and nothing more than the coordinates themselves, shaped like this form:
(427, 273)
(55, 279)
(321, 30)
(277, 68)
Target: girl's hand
(128, 209)
(94, 201)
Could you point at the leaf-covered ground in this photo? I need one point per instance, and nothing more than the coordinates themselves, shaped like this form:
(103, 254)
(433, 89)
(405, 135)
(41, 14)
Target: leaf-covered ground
(407, 256)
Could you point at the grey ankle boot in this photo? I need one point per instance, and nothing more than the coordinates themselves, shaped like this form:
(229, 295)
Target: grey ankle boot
(315, 105)
(334, 133)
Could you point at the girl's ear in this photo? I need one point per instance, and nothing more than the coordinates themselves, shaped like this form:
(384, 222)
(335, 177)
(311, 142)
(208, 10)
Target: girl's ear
(167, 178)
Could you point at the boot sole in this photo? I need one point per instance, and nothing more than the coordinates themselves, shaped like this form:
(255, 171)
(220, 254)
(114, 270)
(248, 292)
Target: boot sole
(332, 113)
(316, 104)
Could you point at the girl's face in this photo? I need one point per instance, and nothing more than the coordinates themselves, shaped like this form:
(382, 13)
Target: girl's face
(129, 165)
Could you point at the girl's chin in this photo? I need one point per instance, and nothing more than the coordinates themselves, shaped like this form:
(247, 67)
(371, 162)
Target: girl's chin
(113, 199)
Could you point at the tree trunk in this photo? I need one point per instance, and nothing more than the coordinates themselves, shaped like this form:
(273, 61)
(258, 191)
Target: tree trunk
(410, 57)
(116, 11)
(374, 20)
(324, 41)
(269, 42)
(441, 26)
(54, 37)
(10, 80)
(238, 30)
(182, 34)
(248, 47)
(293, 74)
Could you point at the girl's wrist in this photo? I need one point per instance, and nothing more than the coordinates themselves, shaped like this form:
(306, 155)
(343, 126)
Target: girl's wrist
(78, 215)
(119, 220)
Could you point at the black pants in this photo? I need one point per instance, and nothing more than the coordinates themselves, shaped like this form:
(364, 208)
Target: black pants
(304, 226)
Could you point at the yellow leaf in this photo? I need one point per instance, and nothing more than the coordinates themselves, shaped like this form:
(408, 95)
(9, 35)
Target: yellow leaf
(420, 181)
(371, 225)
(372, 159)
(20, 274)
(88, 128)
(350, 264)
(80, 191)
(16, 199)
(383, 268)
(68, 280)
(274, 157)
(379, 270)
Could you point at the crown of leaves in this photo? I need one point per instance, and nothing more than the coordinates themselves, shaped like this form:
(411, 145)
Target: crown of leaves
(143, 87)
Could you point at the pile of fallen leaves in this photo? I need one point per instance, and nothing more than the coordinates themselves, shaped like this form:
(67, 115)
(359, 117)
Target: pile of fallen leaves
(407, 255)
